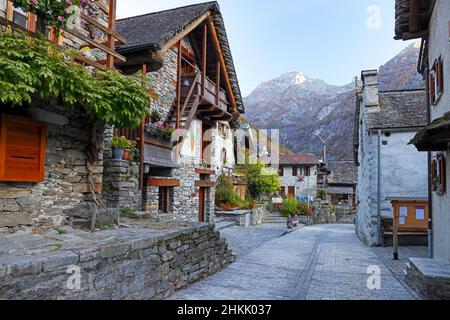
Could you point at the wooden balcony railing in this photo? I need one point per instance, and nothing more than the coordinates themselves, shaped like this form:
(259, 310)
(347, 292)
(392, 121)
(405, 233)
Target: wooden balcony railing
(95, 38)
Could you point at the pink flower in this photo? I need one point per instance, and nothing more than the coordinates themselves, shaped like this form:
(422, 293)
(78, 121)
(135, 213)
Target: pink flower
(60, 19)
(69, 2)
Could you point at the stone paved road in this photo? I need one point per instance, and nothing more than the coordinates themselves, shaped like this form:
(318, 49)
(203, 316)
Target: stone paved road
(314, 263)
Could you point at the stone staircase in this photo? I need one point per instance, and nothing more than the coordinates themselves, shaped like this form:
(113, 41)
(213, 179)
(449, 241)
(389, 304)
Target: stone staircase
(224, 223)
(275, 218)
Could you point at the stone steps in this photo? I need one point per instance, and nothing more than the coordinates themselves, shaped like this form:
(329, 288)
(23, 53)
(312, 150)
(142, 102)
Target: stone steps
(224, 223)
(275, 218)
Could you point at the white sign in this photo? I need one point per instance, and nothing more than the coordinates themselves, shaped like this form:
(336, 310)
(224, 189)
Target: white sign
(277, 200)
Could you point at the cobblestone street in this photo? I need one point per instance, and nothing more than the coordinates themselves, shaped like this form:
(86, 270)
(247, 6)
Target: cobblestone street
(313, 263)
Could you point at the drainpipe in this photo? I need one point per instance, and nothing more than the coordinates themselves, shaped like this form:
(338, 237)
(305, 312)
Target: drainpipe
(379, 186)
(430, 192)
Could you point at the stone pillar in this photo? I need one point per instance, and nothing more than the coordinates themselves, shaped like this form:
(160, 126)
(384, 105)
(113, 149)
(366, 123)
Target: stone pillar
(370, 90)
(121, 185)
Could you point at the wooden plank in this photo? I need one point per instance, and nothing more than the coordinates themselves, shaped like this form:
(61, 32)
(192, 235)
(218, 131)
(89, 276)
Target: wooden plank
(218, 66)
(2, 146)
(164, 182)
(172, 42)
(205, 171)
(142, 138)
(177, 113)
(204, 53)
(111, 41)
(191, 91)
(216, 41)
(192, 113)
(97, 45)
(414, 10)
(204, 184)
(10, 11)
(106, 30)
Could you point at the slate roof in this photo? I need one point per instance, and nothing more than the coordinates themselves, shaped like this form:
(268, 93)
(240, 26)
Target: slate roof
(151, 31)
(403, 17)
(306, 159)
(399, 109)
(342, 172)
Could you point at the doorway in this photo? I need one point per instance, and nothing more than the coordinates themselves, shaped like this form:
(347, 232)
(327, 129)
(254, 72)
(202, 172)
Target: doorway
(202, 205)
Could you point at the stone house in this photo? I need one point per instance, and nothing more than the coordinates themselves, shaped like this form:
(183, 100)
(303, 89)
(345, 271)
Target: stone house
(188, 67)
(341, 181)
(298, 176)
(51, 156)
(429, 21)
(387, 165)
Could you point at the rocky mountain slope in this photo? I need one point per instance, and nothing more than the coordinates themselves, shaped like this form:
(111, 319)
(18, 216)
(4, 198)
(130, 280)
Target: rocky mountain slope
(302, 107)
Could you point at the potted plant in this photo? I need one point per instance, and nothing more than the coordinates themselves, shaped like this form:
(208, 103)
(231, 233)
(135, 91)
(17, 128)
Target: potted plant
(155, 116)
(118, 146)
(130, 145)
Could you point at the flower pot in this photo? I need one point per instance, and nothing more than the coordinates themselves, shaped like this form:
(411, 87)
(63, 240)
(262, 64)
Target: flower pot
(126, 155)
(117, 153)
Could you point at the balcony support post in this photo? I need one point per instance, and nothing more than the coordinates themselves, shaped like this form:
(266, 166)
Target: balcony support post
(205, 39)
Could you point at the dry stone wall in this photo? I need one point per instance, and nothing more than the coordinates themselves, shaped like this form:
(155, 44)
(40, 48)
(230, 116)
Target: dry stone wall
(46, 204)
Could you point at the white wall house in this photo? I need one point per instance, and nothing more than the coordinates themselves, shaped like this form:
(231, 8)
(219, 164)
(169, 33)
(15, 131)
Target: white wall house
(298, 175)
(388, 166)
(434, 61)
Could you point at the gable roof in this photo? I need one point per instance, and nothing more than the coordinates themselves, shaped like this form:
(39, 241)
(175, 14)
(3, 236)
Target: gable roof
(412, 18)
(153, 30)
(307, 159)
(399, 109)
(342, 172)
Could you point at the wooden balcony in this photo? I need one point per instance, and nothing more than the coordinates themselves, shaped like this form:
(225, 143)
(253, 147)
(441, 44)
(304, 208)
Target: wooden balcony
(95, 37)
(213, 102)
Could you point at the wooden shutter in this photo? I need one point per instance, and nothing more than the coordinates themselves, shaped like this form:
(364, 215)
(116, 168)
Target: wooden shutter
(281, 171)
(440, 75)
(22, 149)
(294, 171)
(283, 191)
(433, 175)
(442, 174)
(291, 192)
(431, 88)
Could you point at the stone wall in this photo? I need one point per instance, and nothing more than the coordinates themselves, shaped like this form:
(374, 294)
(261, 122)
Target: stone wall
(121, 185)
(430, 278)
(123, 264)
(46, 204)
(259, 214)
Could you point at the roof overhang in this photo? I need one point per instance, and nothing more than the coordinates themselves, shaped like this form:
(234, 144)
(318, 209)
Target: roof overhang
(435, 136)
(412, 18)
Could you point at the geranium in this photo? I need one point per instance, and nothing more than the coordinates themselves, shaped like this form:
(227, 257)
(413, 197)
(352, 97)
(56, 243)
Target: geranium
(54, 13)
(165, 128)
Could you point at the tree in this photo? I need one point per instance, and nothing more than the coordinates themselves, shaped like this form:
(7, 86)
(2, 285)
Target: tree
(261, 179)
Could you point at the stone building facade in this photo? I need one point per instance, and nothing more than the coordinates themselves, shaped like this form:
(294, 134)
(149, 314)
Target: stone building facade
(298, 176)
(387, 165)
(66, 189)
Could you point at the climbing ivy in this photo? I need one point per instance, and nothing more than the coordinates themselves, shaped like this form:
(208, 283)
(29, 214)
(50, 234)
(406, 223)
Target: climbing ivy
(33, 66)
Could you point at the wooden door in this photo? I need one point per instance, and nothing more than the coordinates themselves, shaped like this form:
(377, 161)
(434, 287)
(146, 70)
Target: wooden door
(164, 199)
(291, 192)
(201, 204)
(283, 191)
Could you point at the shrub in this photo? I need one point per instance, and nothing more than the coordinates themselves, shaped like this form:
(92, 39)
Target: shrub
(225, 193)
(322, 194)
(294, 207)
(260, 179)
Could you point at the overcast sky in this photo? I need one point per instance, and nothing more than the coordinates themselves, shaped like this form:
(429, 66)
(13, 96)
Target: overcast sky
(326, 39)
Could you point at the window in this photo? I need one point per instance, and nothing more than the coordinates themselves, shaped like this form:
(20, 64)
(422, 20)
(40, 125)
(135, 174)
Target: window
(163, 200)
(294, 171)
(223, 130)
(224, 157)
(281, 172)
(436, 81)
(283, 191)
(307, 171)
(22, 149)
(20, 17)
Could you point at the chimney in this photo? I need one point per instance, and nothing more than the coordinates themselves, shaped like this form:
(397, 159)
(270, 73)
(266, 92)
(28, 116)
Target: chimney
(370, 90)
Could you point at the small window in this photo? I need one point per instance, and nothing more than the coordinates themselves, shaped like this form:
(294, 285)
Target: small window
(294, 171)
(307, 171)
(22, 149)
(223, 130)
(281, 172)
(439, 174)
(436, 81)
(20, 17)
(223, 157)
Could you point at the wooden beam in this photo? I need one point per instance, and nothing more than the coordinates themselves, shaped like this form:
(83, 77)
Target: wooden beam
(204, 52)
(178, 86)
(173, 42)
(10, 11)
(164, 183)
(121, 40)
(112, 27)
(212, 30)
(142, 138)
(204, 184)
(218, 82)
(414, 11)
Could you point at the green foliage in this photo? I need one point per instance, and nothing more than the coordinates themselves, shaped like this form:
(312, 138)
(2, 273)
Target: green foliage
(121, 142)
(55, 13)
(293, 207)
(33, 66)
(60, 231)
(261, 180)
(225, 193)
(322, 194)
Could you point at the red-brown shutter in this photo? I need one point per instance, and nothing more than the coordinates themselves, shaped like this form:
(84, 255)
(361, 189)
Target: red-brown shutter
(294, 171)
(433, 175)
(22, 149)
(440, 75)
(283, 191)
(442, 174)
(431, 88)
